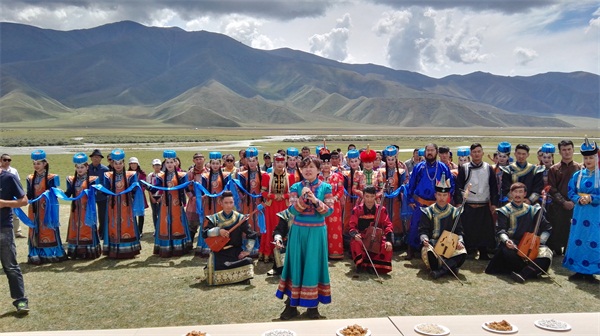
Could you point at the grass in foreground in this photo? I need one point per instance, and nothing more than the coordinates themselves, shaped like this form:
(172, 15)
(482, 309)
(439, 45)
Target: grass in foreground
(149, 291)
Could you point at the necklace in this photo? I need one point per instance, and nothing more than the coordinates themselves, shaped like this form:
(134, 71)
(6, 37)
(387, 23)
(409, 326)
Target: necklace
(432, 179)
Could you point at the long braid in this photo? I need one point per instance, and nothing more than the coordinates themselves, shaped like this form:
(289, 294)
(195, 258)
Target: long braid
(248, 174)
(71, 190)
(31, 190)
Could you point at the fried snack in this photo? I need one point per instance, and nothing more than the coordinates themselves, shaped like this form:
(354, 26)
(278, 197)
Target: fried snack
(354, 330)
(500, 326)
(195, 333)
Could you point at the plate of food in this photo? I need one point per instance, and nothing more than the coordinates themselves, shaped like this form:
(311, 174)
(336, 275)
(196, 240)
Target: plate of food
(552, 324)
(502, 327)
(353, 330)
(196, 333)
(432, 329)
(279, 332)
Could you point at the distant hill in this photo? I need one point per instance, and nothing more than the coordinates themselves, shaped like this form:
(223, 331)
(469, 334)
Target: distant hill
(135, 73)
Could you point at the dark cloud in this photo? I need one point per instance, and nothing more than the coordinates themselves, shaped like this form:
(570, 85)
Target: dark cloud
(187, 9)
(505, 6)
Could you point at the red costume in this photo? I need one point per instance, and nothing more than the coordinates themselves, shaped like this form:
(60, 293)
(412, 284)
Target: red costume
(360, 220)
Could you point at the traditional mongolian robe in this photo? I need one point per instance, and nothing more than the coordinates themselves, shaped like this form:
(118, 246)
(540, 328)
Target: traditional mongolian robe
(121, 236)
(513, 222)
(305, 275)
(83, 240)
(369, 178)
(45, 244)
(251, 181)
(194, 175)
(225, 266)
(530, 175)
(276, 193)
(433, 222)
(214, 182)
(477, 218)
(335, 241)
(392, 179)
(281, 232)
(172, 237)
(583, 249)
(421, 192)
(350, 199)
(558, 177)
(361, 219)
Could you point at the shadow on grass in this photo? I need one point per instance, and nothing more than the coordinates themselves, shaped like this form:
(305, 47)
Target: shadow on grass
(13, 314)
(104, 263)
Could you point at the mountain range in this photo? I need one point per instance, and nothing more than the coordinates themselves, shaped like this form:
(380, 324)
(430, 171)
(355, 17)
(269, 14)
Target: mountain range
(127, 73)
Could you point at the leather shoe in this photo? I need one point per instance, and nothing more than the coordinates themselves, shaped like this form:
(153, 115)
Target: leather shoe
(517, 277)
(289, 313)
(313, 313)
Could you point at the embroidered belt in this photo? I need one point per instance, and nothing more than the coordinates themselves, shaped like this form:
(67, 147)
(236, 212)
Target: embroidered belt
(423, 201)
(476, 205)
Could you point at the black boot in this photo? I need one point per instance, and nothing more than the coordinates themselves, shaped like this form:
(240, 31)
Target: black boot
(517, 277)
(289, 312)
(140, 225)
(313, 313)
(438, 273)
(409, 253)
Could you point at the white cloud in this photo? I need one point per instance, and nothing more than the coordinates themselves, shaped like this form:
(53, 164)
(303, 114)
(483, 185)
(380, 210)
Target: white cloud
(524, 55)
(463, 47)
(333, 45)
(595, 22)
(411, 39)
(246, 30)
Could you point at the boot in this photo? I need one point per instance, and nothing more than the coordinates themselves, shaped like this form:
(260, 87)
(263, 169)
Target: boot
(313, 313)
(483, 254)
(438, 273)
(289, 312)
(517, 277)
(409, 253)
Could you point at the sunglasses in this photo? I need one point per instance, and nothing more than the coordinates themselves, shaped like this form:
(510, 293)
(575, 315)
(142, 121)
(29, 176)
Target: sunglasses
(229, 160)
(7, 160)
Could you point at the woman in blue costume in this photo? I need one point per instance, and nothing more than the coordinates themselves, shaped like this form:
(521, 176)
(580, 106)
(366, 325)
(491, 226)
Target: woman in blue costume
(45, 245)
(305, 275)
(121, 236)
(82, 234)
(583, 249)
(172, 236)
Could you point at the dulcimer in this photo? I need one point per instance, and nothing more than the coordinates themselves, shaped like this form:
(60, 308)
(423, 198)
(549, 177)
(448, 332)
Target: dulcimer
(529, 244)
(446, 244)
(217, 243)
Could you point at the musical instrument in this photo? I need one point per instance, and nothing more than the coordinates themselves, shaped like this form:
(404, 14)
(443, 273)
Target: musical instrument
(373, 234)
(217, 243)
(379, 279)
(448, 240)
(530, 242)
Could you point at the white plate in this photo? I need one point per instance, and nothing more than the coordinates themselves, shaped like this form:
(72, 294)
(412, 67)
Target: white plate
(445, 331)
(207, 334)
(539, 324)
(292, 333)
(514, 329)
(339, 331)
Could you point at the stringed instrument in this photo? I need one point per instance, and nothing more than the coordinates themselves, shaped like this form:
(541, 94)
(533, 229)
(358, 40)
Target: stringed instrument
(448, 240)
(217, 243)
(373, 235)
(529, 244)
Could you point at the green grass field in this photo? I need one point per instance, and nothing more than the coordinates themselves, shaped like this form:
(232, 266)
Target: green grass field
(152, 292)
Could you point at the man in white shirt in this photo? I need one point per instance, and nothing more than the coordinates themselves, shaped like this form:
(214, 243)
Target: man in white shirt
(5, 162)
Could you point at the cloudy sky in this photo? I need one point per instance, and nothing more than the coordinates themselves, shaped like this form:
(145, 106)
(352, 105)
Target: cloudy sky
(434, 37)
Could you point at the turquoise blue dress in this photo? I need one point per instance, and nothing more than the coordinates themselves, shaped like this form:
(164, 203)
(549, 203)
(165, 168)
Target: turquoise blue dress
(583, 248)
(305, 274)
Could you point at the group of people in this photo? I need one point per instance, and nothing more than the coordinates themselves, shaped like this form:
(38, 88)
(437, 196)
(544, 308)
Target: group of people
(300, 210)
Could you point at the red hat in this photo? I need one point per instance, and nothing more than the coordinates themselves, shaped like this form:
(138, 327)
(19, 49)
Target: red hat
(368, 155)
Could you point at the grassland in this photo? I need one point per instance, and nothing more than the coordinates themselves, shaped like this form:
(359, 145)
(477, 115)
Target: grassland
(150, 292)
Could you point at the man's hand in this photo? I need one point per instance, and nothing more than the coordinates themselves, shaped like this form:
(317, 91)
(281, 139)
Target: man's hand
(243, 255)
(388, 246)
(511, 245)
(358, 237)
(568, 205)
(224, 233)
